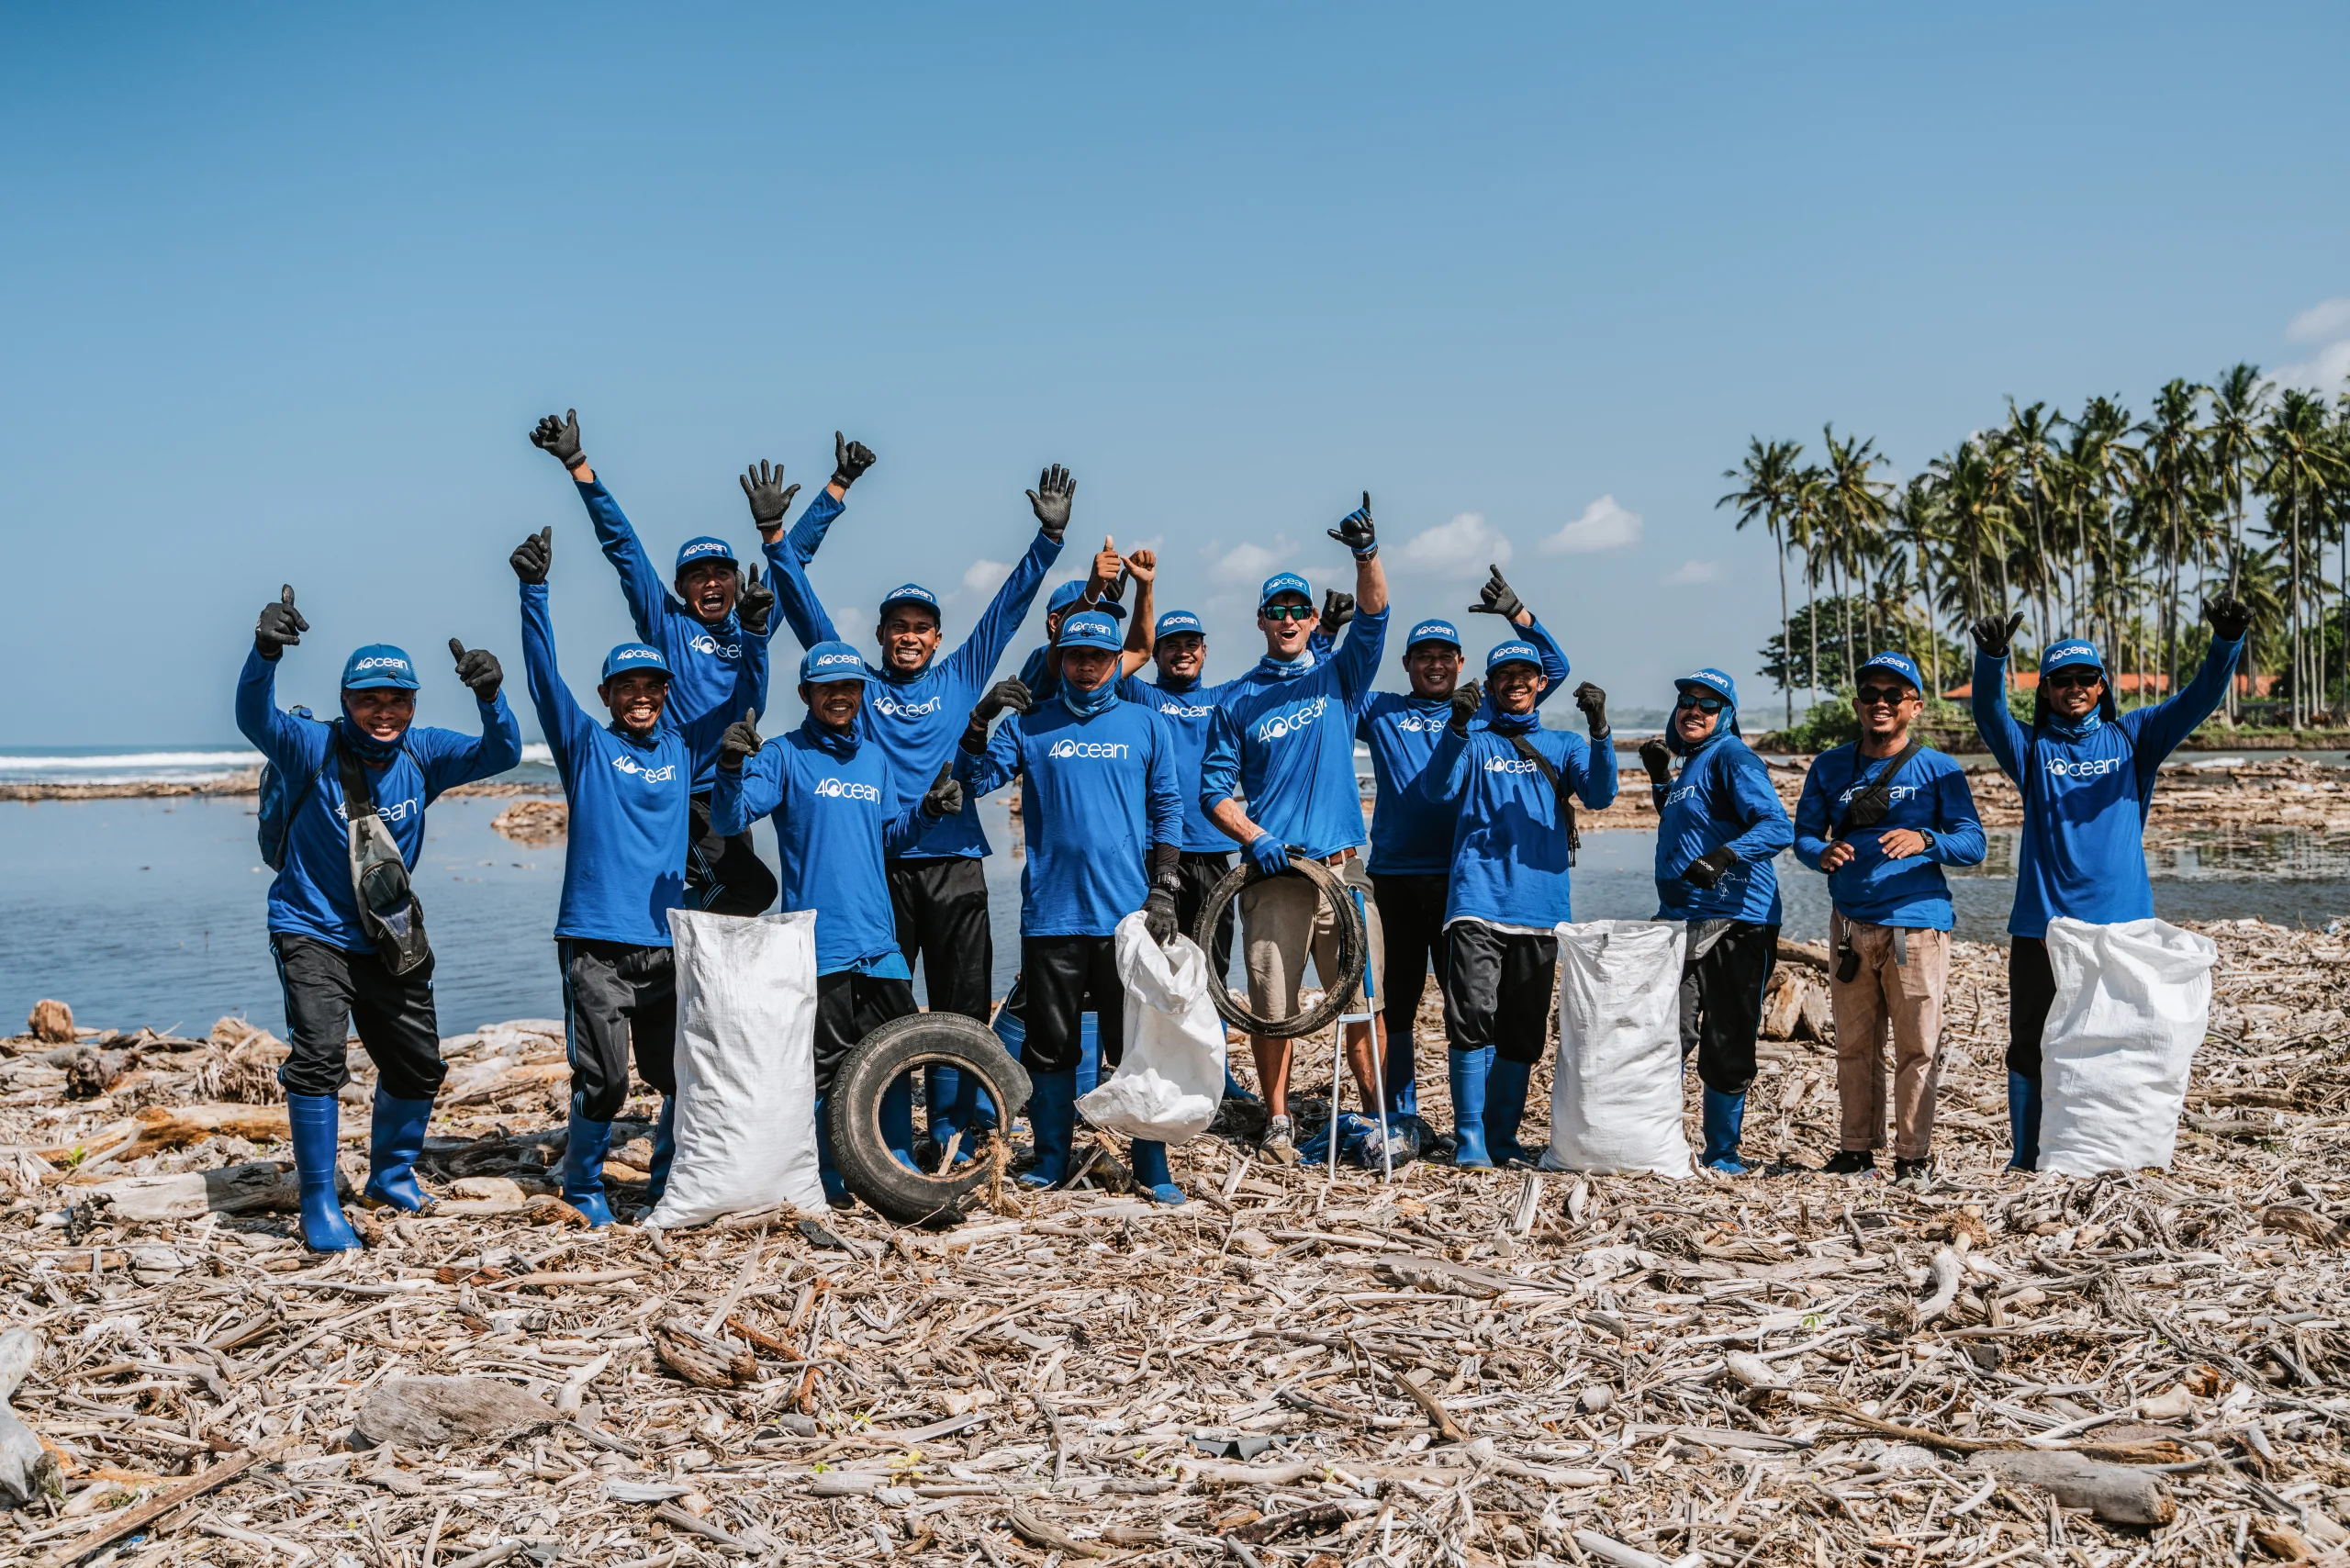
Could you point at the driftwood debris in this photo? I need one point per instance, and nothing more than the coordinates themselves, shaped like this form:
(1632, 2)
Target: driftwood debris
(426, 1412)
(2119, 1492)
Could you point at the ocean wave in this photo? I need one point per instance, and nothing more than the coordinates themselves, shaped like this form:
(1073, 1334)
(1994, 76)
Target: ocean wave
(222, 761)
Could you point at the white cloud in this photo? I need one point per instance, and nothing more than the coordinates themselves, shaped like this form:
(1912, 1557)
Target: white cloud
(982, 578)
(1690, 572)
(1604, 525)
(2328, 319)
(2327, 371)
(1249, 565)
(1463, 548)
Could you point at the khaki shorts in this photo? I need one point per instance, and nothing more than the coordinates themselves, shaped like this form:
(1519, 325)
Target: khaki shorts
(1283, 918)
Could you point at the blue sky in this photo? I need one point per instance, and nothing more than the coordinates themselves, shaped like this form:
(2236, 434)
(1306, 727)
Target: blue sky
(286, 287)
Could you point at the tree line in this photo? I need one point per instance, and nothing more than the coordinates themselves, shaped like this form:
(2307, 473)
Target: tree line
(2098, 524)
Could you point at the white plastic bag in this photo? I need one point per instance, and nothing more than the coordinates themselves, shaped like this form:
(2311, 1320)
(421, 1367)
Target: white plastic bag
(1169, 1083)
(1615, 1096)
(2132, 1002)
(746, 1067)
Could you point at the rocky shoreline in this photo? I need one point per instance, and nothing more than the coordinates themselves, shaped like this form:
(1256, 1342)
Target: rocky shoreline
(246, 783)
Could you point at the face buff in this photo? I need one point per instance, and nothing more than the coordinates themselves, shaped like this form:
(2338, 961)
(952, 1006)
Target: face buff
(1085, 704)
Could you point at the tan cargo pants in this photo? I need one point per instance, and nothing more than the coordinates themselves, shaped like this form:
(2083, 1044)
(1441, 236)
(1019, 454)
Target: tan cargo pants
(1900, 984)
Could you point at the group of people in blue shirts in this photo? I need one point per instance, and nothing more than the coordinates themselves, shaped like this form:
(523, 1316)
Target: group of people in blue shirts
(1136, 793)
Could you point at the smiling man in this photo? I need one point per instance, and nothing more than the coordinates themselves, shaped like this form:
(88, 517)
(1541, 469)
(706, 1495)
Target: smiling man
(2086, 775)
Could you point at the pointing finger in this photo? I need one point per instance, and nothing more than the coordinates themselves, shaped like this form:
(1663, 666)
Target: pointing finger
(457, 650)
(286, 596)
(944, 771)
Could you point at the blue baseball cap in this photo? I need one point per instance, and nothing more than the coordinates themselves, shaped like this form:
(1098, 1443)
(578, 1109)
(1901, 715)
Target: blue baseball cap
(1177, 621)
(1070, 592)
(910, 593)
(630, 656)
(829, 662)
(1897, 663)
(1514, 653)
(1091, 628)
(703, 548)
(1713, 680)
(1284, 582)
(1432, 631)
(378, 664)
(2071, 651)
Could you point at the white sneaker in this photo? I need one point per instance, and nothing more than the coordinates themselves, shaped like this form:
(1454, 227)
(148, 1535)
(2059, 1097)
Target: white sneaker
(1279, 1144)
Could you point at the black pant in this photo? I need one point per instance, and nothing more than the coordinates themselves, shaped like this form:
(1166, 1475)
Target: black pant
(616, 995)
(941, 910)
(1497, 990)
(1411, 924)
(1721, 1004)
(328, 990)
(1063, 978)
(2031, 992)
(850, 1007)
(1196, 874)
(725, 876)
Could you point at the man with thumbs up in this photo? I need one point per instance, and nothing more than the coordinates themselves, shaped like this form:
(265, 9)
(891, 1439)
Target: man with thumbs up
(328, 963)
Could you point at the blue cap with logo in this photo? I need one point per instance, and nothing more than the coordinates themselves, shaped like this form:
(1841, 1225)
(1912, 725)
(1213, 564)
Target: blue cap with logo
(1176, 621)
(829, 662)
(1514, 653)
(1070, 592)
(630, 656)
(1091, 628)
(910, 593)
(1284, 582)
(2071, 651)
(1713, 680)
(378, 664)
(1433, 631)
(704, 548)
(1897, 664)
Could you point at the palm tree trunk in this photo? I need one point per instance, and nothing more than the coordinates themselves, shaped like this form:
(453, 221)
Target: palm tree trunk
(2301, 669)
(1811, 624)
(1787, 628)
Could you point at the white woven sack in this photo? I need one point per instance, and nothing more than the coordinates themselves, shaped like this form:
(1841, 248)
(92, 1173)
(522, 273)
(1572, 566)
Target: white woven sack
(2132, 1002)
(1615, 1094)
(746, 1067)
(1171, 1076)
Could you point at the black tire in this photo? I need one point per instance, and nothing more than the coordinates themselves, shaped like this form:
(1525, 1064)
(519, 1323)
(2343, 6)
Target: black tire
(853, 1112)
(1354, 943)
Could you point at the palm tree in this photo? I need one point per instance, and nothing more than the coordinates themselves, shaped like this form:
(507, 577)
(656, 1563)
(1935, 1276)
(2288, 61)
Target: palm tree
(1919, 515)
(1767, 479)
(1804, 529)
(2173, 455)
(2027, 439)
(2301, 462)
(2238, 399)
(1853, 508)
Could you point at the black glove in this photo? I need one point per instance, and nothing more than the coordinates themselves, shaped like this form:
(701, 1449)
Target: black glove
(741, 740)
(478, 670)
(1593, 703)
(1465, 699)
(1656, 755)
(1711, 867)
(560, 438)
(534, 557)
(756, 604)
(769, 496)
(280, 626)
(1054, 489)
(1003, 694)
(1337, 609)
(1357, 532)
(945, 797)
(1497, 597)
(2230, 617)
(1992, 634)
(1158, 915)
(850, 460)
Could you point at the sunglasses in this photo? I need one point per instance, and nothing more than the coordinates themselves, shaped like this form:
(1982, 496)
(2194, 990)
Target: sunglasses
(2075, 678)
(1287, 612)
(1702, 704)
(1887, 696)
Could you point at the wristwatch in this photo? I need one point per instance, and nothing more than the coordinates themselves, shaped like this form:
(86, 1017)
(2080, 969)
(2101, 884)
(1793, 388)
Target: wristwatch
(1928, 835)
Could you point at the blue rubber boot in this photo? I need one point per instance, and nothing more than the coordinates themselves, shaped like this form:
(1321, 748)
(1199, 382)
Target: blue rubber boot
(1469, 1070)
(835, 1190)
(664, 1151)
(395, 1139)
(316, 1121)
(1232, 1088)
(953, 1100)
(1158, 1184)
(1052, 1118)
(2023, 1122)
(898, 1120)
(1403, 1095)
(1505, 1108)
(1725, 1116)
(583, 1166)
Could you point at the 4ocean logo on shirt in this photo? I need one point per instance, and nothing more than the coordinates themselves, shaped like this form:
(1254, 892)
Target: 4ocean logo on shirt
(706, 643)
(1068, 748)
(846, 789)
(1510, 765)
(660, 775)
(885, 704)
(390, 811)
(1417, 724)
(2088, 768)
(1276, 726)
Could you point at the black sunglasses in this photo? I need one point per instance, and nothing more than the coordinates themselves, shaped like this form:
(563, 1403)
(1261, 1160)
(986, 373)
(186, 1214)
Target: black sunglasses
(1702, 704)
(1889, 696)
(1287, 612)
(2074, 677)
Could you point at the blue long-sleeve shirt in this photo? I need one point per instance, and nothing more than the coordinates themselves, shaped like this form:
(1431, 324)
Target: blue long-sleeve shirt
(1411, 834)
(311, 895)
(1509, 835)
(918, 719)
(630, 800)
(1190, 712)
(1284, 738)
(1928, 795)
(1100, 793)
(2087, 789)
(703, 659)
(829, 795)
(1722, 797)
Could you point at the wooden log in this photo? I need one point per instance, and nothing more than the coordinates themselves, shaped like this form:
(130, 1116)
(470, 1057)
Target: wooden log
(2117, 1493)
(425, 1412)
(26, 1469)
(259, 1186)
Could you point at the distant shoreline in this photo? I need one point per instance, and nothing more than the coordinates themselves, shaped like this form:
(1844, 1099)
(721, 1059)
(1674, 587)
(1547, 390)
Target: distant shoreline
(246, 783)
